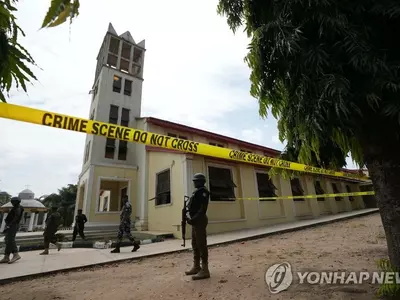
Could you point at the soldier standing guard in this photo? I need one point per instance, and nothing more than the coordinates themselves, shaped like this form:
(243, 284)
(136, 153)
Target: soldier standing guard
(197, 208)
(12, 225)
(125, 226)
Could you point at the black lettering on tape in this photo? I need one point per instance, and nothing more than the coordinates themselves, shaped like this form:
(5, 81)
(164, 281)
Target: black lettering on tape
(111, 131)
(119, 132)
(143, 137)
(136, 136)
(180, 145)
(160, 140)
(167, 138)
(238, 155)
(174, 142)
(71, 124)
(103, 129)
(83, 126)
(126, 133)
(57, 121)
(153, 139)
(47, 119)
(95, 128)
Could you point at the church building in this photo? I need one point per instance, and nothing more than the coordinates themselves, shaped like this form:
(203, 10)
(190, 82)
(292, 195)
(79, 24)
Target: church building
(114, 168)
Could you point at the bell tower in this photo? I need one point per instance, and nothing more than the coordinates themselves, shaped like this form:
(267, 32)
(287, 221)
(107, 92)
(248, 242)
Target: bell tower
(109, 166)
(116, 96)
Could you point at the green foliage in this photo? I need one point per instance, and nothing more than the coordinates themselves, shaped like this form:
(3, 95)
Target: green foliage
(65, 201)
(4, 198)
(14, 58)
(327, 70)
(388, 290)
(59, 11)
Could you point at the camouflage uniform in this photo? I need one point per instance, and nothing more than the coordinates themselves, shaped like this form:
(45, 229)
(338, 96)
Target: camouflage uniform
(125, 228)
(12, 225)
(197, 206)
(49, 234)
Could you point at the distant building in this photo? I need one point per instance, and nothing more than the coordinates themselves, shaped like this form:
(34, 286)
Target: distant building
(114, 168)
(32, 210)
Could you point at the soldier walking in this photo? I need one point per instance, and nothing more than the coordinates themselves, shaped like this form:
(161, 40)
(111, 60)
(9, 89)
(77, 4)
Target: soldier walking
(52, 223)
(12, 225)
(197, 208)
(125, 226)
(79, 227)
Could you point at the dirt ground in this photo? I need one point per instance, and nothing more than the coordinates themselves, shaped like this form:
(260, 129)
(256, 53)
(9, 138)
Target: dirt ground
(237, 270)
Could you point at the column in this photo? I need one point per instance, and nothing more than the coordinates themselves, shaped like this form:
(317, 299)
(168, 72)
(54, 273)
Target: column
(36, 219)
(3, 223)
(141, 212)
(347, 203)
(44, 221)
(310, 189)
(288, 204)
(31, 220)
(327, 186)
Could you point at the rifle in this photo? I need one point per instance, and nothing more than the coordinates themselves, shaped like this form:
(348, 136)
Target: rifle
(184, 218)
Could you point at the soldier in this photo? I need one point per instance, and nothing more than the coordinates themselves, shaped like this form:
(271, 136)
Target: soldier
(12, 225)
(80, 221)
(52, 223)
(125, 226)
(197, 208)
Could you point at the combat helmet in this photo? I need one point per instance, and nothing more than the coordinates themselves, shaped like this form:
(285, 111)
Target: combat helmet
(199, 177)
(15, 200)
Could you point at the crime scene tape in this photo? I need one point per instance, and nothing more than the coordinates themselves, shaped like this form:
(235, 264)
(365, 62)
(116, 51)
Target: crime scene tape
(51, 119)
(306, 196)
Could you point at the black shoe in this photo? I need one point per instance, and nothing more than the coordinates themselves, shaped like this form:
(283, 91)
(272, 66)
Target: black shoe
(136, 247)
(116, 250)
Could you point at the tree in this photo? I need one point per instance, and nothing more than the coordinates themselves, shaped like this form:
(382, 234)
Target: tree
(65, 201)
(14, 58)
(4, 198)
(329, 72)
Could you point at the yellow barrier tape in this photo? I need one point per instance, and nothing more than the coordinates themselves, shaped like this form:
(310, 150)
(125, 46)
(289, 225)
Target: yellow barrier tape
(305, 196)
(51, 119)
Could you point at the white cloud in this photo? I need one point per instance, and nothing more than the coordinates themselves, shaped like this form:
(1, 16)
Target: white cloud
(194, 74)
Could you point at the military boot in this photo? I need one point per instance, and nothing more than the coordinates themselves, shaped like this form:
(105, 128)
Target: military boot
(135, 246)
(5, 260)
(117, 249)
(45, 252)
(195, 269)
(203, 274)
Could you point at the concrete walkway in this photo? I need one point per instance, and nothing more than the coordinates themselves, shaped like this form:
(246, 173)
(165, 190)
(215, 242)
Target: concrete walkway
(32, 264)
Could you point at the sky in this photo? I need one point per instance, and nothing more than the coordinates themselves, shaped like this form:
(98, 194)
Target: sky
(194, 74)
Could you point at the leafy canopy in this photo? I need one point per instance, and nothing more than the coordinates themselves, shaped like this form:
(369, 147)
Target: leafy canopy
(14, 58)
(327, 69)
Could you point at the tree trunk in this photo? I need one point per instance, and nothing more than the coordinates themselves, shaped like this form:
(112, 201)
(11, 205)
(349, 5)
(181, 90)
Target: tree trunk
(383, 163)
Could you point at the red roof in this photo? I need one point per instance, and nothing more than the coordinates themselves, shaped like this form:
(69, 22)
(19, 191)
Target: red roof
(220, 138)
(213, 136)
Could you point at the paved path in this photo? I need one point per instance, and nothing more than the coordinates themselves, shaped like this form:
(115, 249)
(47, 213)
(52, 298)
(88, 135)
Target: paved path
(33, 264)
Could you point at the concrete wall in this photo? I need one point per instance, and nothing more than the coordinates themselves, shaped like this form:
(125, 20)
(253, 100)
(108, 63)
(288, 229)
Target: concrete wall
(239, 214)
(165, 217)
